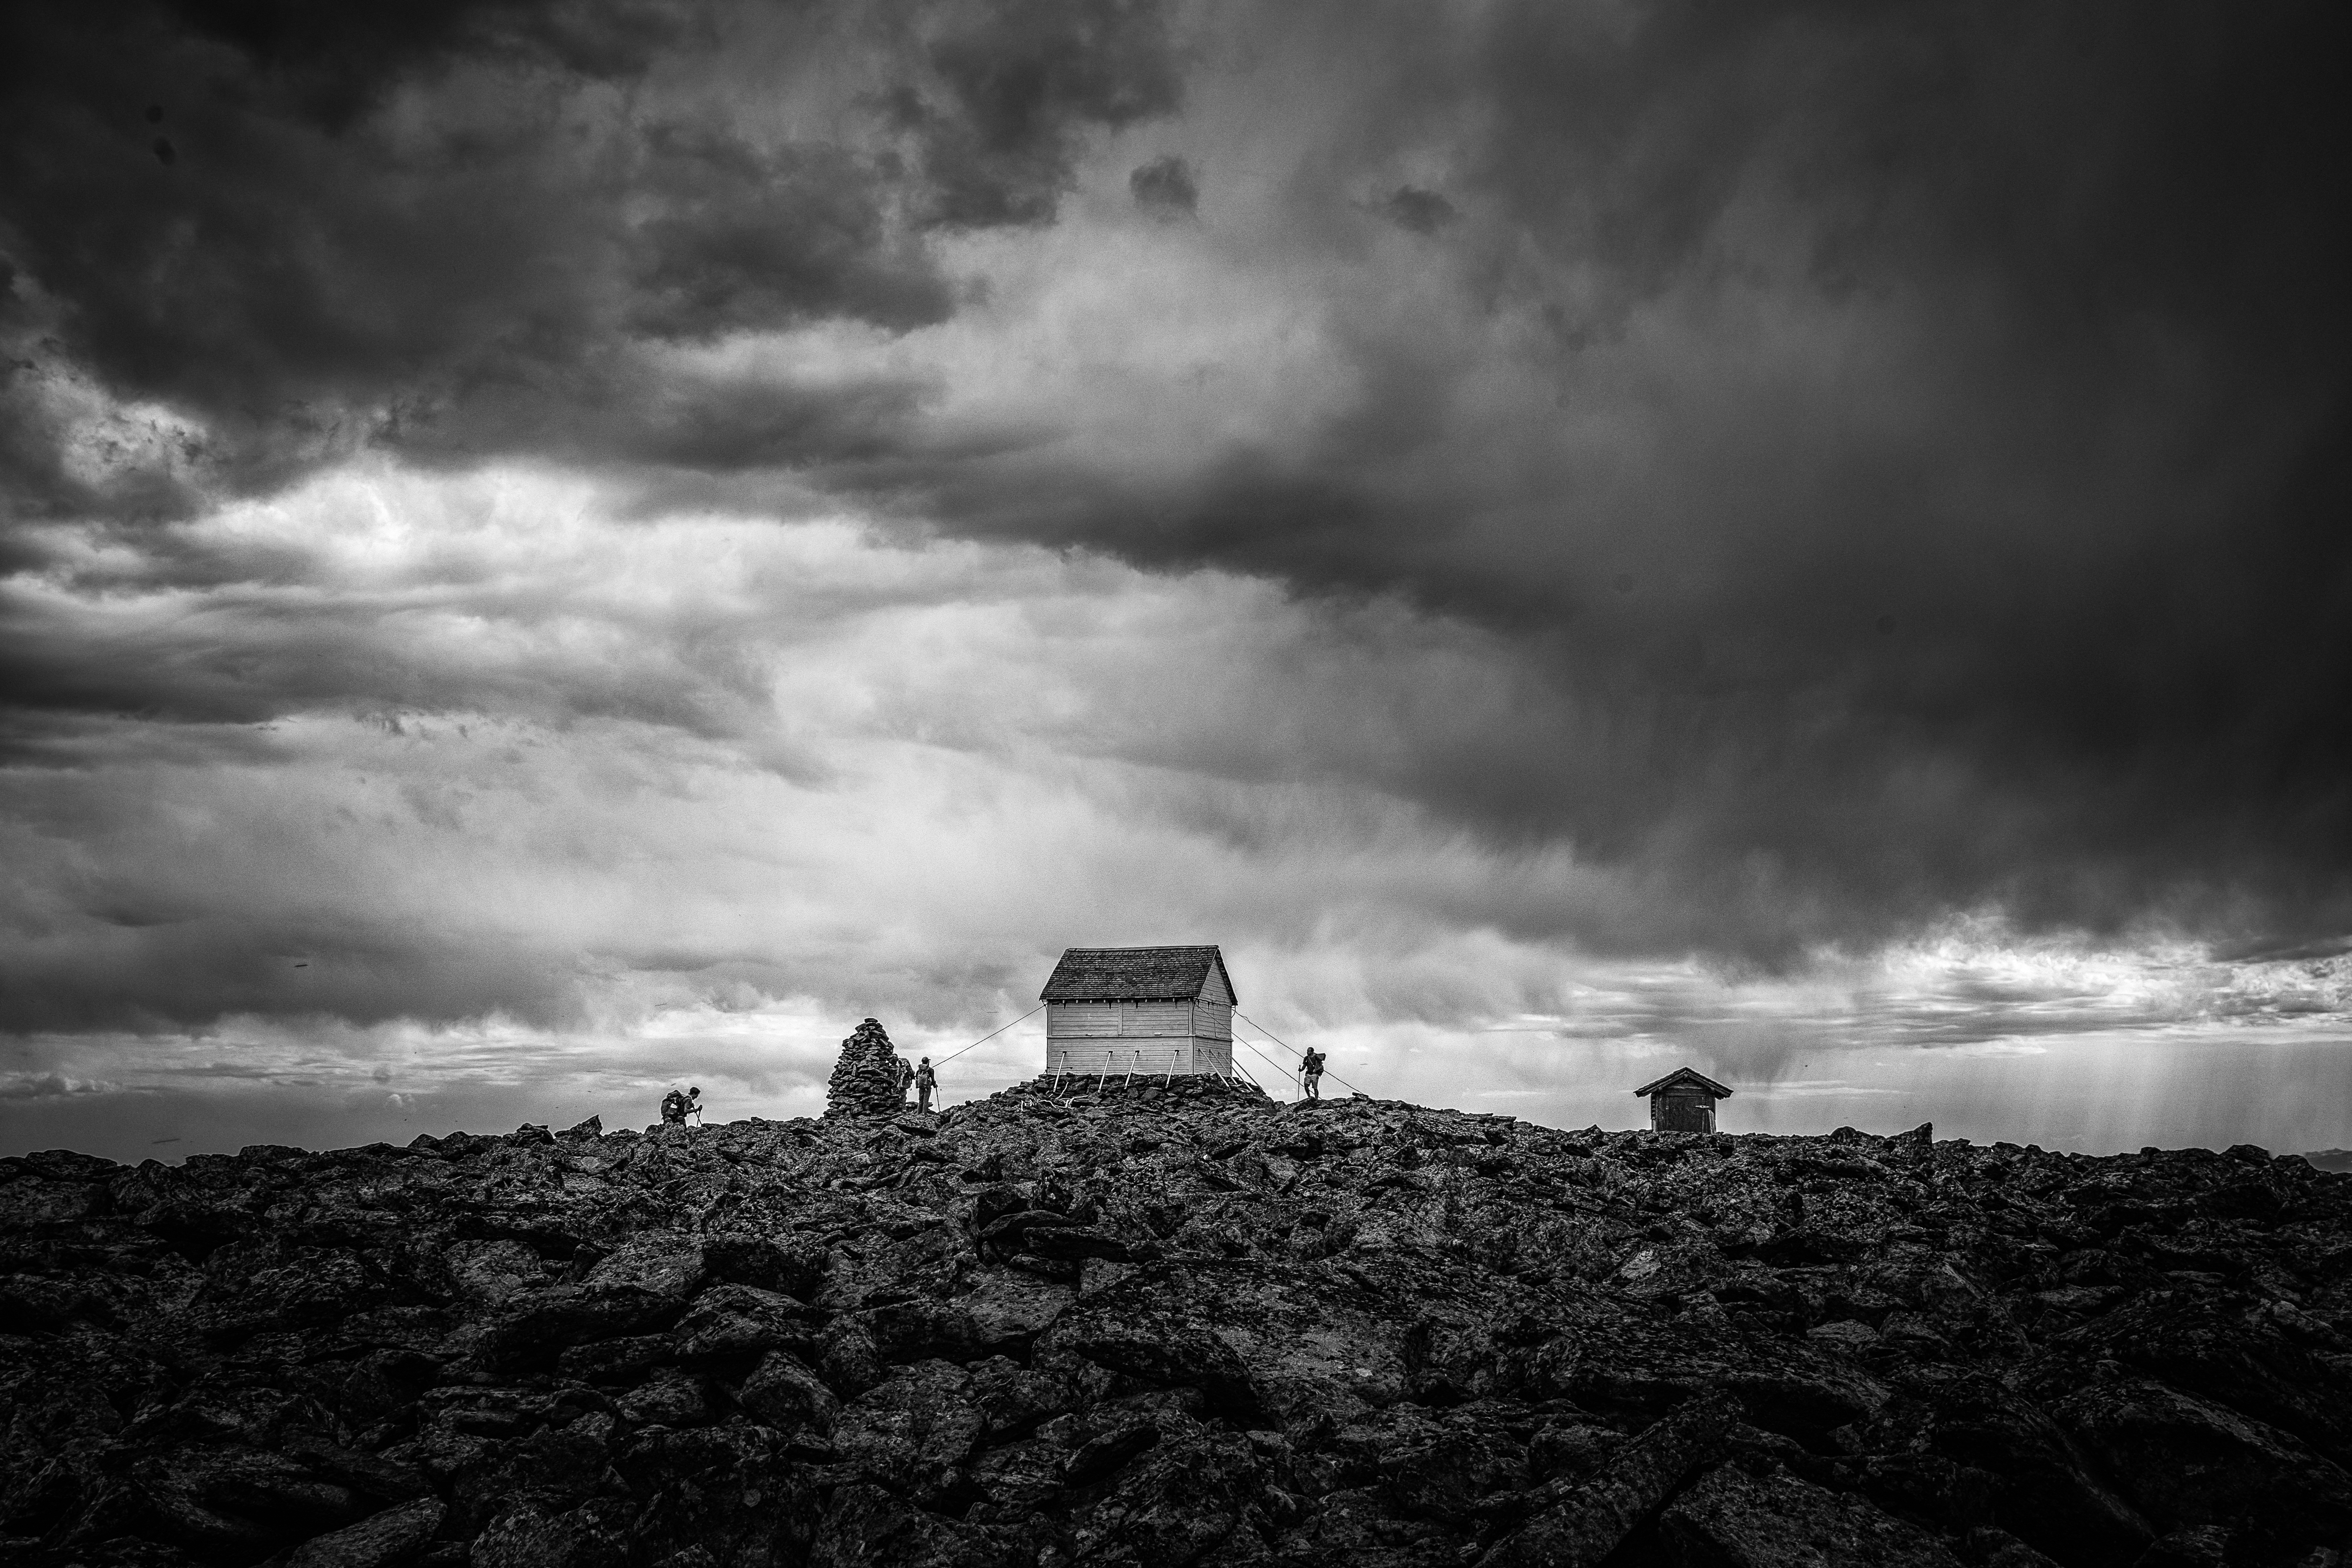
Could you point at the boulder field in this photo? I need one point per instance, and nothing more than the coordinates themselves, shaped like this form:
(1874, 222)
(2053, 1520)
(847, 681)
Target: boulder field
(1166, 1328)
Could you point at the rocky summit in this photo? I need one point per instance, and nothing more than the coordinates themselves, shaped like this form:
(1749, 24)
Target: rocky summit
(1164, 1327)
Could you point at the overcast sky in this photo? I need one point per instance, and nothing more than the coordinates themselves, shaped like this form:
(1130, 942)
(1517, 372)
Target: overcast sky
(555, 549)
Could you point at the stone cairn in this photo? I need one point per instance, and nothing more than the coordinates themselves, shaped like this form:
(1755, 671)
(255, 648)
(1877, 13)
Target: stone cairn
(1140, 1088)
(869, 1080)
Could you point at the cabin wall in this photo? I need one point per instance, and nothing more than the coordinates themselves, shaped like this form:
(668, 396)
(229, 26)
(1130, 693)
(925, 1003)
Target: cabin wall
(1182, 1055)
(1138, 1020)
(1138, 1037)
(1121, 1020)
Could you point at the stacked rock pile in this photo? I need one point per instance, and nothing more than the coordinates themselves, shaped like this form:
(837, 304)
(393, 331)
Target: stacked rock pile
(1194, 1331)
(1140, 1088)
(869, 1077)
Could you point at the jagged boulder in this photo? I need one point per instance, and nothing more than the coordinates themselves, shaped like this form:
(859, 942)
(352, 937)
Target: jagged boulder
(870, 1078)
(1103, 1323)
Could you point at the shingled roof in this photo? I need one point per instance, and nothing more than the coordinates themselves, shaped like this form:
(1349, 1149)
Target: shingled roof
(1135, 975)
(1682, 1076)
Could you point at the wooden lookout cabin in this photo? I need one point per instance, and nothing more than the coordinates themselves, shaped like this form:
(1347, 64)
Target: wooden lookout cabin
(1140, 1009)
(1682, 1101)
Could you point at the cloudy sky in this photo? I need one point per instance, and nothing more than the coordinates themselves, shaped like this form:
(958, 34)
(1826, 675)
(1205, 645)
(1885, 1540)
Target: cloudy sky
(550, 549)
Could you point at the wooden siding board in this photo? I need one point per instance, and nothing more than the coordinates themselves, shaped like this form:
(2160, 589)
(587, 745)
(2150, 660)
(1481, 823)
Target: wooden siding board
(1151, 1020)
(1121, 1020)
(1082, 1019)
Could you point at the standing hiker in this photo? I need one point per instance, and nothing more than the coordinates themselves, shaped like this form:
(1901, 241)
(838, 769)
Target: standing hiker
(1310, 1073)
(926, 1080)
(902, 1076)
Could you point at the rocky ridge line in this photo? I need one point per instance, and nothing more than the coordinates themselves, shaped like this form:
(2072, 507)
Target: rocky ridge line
(1163, 1328)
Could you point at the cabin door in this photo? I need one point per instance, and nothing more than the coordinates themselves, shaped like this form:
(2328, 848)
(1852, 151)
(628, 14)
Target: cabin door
(1689, 1114)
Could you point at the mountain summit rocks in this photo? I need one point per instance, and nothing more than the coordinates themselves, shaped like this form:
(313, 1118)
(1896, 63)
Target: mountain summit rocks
(870, 1078)
(1153, 1330)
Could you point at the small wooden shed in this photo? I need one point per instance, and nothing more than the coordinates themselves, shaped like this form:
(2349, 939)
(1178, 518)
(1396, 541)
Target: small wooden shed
(1682, 1101)
(1140, 1009)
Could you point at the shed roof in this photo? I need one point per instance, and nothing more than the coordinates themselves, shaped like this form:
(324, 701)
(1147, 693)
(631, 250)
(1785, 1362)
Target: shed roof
(1135, 975)
(1682, 1076)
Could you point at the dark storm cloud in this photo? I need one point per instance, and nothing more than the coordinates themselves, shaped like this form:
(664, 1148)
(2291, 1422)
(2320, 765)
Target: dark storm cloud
(141, 971)
(1926, 480)
(1423, 212)
(471, 229)
(1901, 447)
(1165, 187)
(331, 65)
(1017, 83)
(247, 658)
(753, 240)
